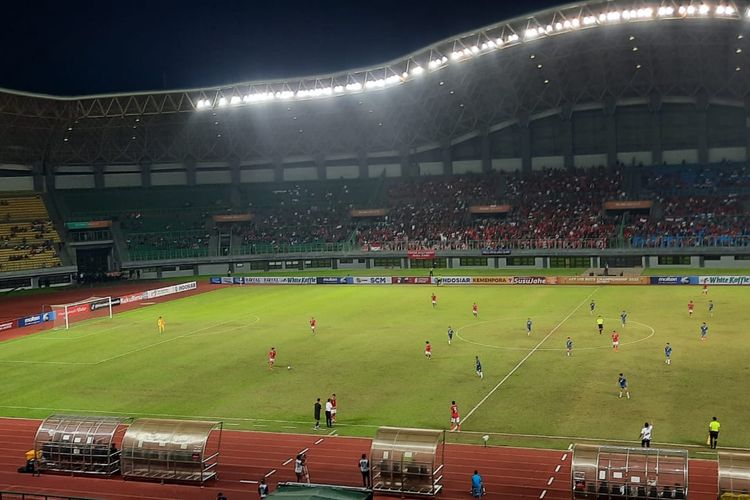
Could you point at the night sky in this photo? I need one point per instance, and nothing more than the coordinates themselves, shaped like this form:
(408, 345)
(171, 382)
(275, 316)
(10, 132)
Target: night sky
(79, 48)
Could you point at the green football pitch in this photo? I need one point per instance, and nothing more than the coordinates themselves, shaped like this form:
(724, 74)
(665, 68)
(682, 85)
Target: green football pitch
(212, 361)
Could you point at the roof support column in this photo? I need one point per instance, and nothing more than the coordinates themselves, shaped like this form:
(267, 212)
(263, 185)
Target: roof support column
(610, 108)
(49, 178)
(484, 145)
(190, 168)
(656, 147)
(145, 166)
(701, 104)
(320, 166)
(99, 175)
(364, 171)
(446, 156)
(406, 167)
(566, 116)
(525, 130)
(37, 170)
(747, 128)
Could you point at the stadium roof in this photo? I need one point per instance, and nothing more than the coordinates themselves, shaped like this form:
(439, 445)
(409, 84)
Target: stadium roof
(598, 52)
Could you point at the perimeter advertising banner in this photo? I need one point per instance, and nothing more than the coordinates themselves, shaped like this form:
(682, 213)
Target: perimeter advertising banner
(372, 280)
(36, 319)
(603, 280)
(724, 280)
(674, 280)
(421, 254)
(411, 280)
(453, 280)
(7, 325)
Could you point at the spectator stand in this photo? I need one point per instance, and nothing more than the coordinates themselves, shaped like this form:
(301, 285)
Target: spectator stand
(612, 472)
(75, 444)
(734, 475)
(171, 450)
(407, 461)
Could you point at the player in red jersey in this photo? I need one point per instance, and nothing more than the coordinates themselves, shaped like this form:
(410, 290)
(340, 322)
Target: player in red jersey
(271, 358)
(434, 301)
(615, 340)
(333, 407)
(691, 306)
(313, 324)
(475, 310)
(455, 418)
(427, 349)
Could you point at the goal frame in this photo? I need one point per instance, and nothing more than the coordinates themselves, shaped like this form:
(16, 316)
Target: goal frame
(73, 310)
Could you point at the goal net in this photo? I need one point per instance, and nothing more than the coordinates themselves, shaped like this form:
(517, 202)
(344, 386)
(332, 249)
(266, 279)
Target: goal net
(93, 307)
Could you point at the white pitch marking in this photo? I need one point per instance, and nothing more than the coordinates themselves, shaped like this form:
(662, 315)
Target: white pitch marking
(318, 441)
(287, 462)
(273, 471)
(550, 481)
(332, 432)
(520, 363)
(543, 493)
(570, 446)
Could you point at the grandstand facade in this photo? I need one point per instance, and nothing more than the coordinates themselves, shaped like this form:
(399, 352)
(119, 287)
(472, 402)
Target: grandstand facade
(639, 102)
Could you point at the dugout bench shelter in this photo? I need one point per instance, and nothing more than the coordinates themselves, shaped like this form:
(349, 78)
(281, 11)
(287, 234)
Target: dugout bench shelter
(79, 444)
(407, 461)
(734, 475)
(171, 450)
(613, 472)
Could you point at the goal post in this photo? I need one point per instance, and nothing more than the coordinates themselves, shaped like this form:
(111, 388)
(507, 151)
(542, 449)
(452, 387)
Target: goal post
(93, 307)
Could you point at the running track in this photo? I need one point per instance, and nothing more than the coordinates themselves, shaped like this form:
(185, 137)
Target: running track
(509, 473)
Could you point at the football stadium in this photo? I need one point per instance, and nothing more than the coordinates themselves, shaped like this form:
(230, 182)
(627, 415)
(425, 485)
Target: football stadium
(514, 263)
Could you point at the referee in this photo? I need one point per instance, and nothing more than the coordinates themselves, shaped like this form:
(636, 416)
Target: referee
(713, 432)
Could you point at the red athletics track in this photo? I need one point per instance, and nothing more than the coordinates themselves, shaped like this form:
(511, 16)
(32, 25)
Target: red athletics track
(509, 473)
(15, 307)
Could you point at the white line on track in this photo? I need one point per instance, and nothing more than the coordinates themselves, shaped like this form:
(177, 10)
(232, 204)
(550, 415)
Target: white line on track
(530, 353)
(543, 493)
(549, 481)
(564, 457)
(318, 441)
(287, 462)
(304, 451)
(272, 472)
(248, 481)
(557, 469)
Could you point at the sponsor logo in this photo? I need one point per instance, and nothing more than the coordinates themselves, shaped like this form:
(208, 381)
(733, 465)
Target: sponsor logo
(529, 280)
(725, 280)
(6, 326)
(495, 251)
(99, 305)
(491, 280)
(169, 290)
(455, 280)
(329, 280)
(373, 280)
(135, 297)
(35, 319)
(411, 280)
(671, 280)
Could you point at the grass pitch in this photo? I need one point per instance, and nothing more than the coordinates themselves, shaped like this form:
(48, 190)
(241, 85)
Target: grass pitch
(212, 361)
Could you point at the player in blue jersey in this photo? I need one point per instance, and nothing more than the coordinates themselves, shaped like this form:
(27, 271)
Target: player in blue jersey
(592, 306)
(668, 354)
(623, 383)
(528, 326)
(450, 335)
(623, 318)
(478, 365)
(711, 308)
(568, 346)
(704, 331)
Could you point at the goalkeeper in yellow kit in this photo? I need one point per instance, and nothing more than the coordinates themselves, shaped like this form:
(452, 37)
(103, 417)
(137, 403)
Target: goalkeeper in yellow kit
(161, 324)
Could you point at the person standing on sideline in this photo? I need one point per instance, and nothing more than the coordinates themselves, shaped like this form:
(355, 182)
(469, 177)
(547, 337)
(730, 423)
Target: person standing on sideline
(479, 367)
(364, 468)
(569, 346)
(713, 432)
(668, 354)
(316, 414)
(704, 331)
(477, 487)
(299, 466)
(528, 326)
(455, 418)
(427, 349)
(329, 407)
(623, 383)
(646, 435)
(334, 409)
(263, 488)
(623, 318)
(161, 324)
(450, 335)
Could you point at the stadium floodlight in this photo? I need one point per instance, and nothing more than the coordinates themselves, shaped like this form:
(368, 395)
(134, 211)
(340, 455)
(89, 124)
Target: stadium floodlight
(531, 33)
(499, 42)
(666, 11)
(513, 38)
(353, 87)
(417, 70)
(589, 20)
(222, 101)
(338, 89)
(235, 99)
(456, 55)
(576, 22)
(703, 9)
(558, 26)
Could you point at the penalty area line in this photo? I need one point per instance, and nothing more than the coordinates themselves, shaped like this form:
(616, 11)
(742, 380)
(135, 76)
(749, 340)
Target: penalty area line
(530, 353)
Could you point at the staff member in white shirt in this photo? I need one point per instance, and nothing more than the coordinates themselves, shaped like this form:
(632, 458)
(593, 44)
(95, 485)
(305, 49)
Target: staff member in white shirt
(646, 435)
(364, 468)
(329, 416)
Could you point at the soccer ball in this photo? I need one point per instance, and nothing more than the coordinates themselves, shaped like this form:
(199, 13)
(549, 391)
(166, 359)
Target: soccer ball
(289, 367)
